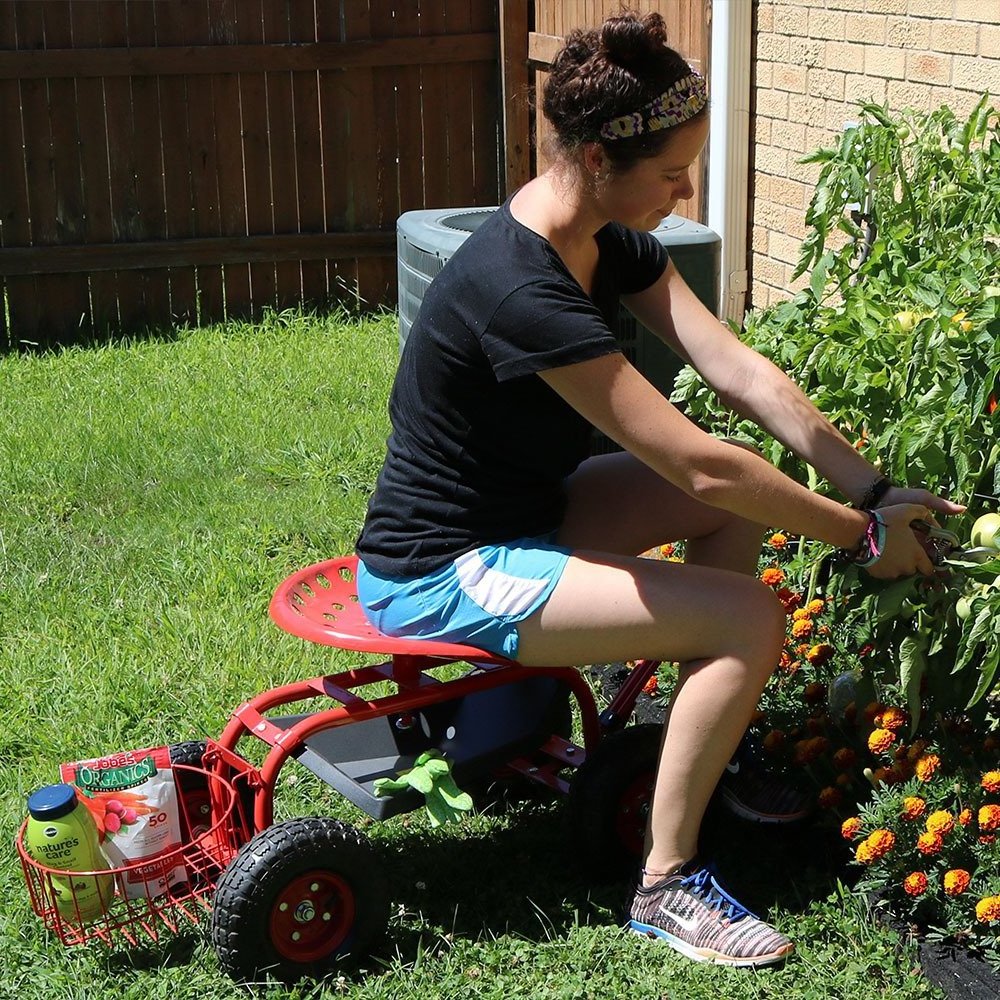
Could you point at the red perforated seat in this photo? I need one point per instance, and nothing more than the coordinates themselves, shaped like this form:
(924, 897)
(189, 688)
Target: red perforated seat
(320, 603)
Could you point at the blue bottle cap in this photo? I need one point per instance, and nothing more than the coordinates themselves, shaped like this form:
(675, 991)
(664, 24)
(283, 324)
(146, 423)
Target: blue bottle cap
(52, 802)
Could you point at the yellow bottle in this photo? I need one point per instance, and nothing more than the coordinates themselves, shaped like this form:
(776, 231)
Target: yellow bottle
(61, 835)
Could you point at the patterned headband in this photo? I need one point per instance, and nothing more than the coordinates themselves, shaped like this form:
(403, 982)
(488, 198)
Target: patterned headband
(675, 105)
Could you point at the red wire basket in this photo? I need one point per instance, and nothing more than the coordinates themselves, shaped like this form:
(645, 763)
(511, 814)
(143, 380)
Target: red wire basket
(209, 845)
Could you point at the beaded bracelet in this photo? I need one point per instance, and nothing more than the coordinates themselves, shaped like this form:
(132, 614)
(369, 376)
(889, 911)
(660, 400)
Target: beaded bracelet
(872, 544)
(874, 494)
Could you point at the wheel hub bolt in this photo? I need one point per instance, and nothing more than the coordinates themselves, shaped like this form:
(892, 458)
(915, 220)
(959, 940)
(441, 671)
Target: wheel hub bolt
(305, 911)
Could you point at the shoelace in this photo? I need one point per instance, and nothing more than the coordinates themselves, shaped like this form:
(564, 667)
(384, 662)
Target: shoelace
(704, 885)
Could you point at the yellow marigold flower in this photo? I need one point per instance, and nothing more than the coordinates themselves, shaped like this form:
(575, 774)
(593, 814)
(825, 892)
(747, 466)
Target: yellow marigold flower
(940, 822)
(850, 828)
(830, 797)
(819, 654)
(913, 807)
(778, 540)
(799, 613)
(802, 628)
(816, 607)
(989, 817)
(865, 854)
(773, 576)
(988, 909)
(892, 718)
(915, 883)
(882, 842)
(956, 881)
(991, 781)
(929, 843)
(927, 765)
(880, 740)
(965, 817)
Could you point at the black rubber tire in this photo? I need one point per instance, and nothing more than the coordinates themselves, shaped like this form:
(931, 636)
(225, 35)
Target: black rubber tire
(192, 789)
(609, 799)
(252, 934)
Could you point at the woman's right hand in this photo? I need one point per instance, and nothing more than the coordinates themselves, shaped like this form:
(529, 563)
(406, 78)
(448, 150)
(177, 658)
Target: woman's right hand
(902, 554)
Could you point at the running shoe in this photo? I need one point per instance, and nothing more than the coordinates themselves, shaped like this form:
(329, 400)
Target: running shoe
(696, 916)
(752, 792)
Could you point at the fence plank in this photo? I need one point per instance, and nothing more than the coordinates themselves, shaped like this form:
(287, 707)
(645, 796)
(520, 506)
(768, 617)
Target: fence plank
(308, 149)
(371, 278)
(485, 85)
(173, 90)
(14, 228)
(256, 154)
(225, 90)
(458, 112)
(282, 153)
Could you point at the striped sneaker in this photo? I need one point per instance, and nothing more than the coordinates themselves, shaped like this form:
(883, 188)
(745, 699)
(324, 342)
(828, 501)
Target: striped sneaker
(754, 793)
(692, 913)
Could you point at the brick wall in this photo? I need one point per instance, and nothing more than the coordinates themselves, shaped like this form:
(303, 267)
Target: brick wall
(815, 60)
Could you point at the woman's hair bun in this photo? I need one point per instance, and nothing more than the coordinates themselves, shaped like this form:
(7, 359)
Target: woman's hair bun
(630, 40)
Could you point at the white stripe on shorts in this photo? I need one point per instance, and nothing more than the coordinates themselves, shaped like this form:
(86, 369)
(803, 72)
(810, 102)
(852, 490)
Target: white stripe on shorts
(494, 591)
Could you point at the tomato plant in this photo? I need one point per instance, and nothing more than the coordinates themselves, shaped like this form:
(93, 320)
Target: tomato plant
(896, 338)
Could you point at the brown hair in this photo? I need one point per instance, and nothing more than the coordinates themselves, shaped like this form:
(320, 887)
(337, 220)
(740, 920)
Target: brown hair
(602, 73)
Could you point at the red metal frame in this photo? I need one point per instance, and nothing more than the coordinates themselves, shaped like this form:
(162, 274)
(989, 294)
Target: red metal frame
(319, 603)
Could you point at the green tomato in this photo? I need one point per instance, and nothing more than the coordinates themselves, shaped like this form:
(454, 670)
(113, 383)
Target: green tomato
(963, 608)
(986, 532)
(950, 189)
(903, 133)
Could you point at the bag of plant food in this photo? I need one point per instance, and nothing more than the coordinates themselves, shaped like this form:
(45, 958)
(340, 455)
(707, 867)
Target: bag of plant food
(133, 799)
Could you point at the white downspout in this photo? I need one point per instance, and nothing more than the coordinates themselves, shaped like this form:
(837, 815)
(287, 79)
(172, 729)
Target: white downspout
(729, 147)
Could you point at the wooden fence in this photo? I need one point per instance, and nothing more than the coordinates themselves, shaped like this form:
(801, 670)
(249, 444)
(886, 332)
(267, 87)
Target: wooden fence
(168, 161)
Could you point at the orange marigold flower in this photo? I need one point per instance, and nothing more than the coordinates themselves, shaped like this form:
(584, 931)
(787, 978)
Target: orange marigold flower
(956, 881)
(667, 550)
(940, 822)
(927, 765)
(844, 759)
(802, 628)
(773, 576)
(824, 630)
(816, 607)
(788, 598)
(802, 648)
(819, 654)
(913, 807)
(988, 909)
(892, 718)
(929, 843)
(872, 709)
(799, 613)
(987, 838)
(965, 817)
(991, 781)
(778, 540)
(880, 740)
(916, 749)
(915, 883)
(989, 817)
(774, 740)
(850, 828)
(651, 686)
(882, 841)
(830, 797)
(865, 853)
(814, 692)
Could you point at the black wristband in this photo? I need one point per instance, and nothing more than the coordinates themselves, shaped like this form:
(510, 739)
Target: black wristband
(874, 494)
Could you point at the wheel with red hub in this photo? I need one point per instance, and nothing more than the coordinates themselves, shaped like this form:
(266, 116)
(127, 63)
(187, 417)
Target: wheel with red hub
(609, 798)
(299, 896)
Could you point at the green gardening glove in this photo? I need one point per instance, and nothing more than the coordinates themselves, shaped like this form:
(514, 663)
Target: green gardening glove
(431, 775)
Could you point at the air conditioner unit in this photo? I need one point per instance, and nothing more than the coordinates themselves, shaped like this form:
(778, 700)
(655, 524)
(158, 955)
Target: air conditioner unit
(426, 239)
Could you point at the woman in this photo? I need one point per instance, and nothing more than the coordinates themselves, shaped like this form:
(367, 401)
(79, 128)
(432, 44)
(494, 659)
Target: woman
(491, 526)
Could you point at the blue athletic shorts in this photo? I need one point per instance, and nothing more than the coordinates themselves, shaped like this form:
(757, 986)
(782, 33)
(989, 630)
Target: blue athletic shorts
(478, 599)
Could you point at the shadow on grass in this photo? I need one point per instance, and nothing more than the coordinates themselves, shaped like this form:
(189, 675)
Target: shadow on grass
(522, 880)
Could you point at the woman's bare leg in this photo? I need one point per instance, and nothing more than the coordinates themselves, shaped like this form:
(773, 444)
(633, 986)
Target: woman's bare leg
(723, 627)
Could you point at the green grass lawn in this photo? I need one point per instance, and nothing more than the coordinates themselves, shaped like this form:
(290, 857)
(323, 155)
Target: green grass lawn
(153, 495)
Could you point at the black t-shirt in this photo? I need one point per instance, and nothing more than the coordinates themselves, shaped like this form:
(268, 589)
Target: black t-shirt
(480, 445)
